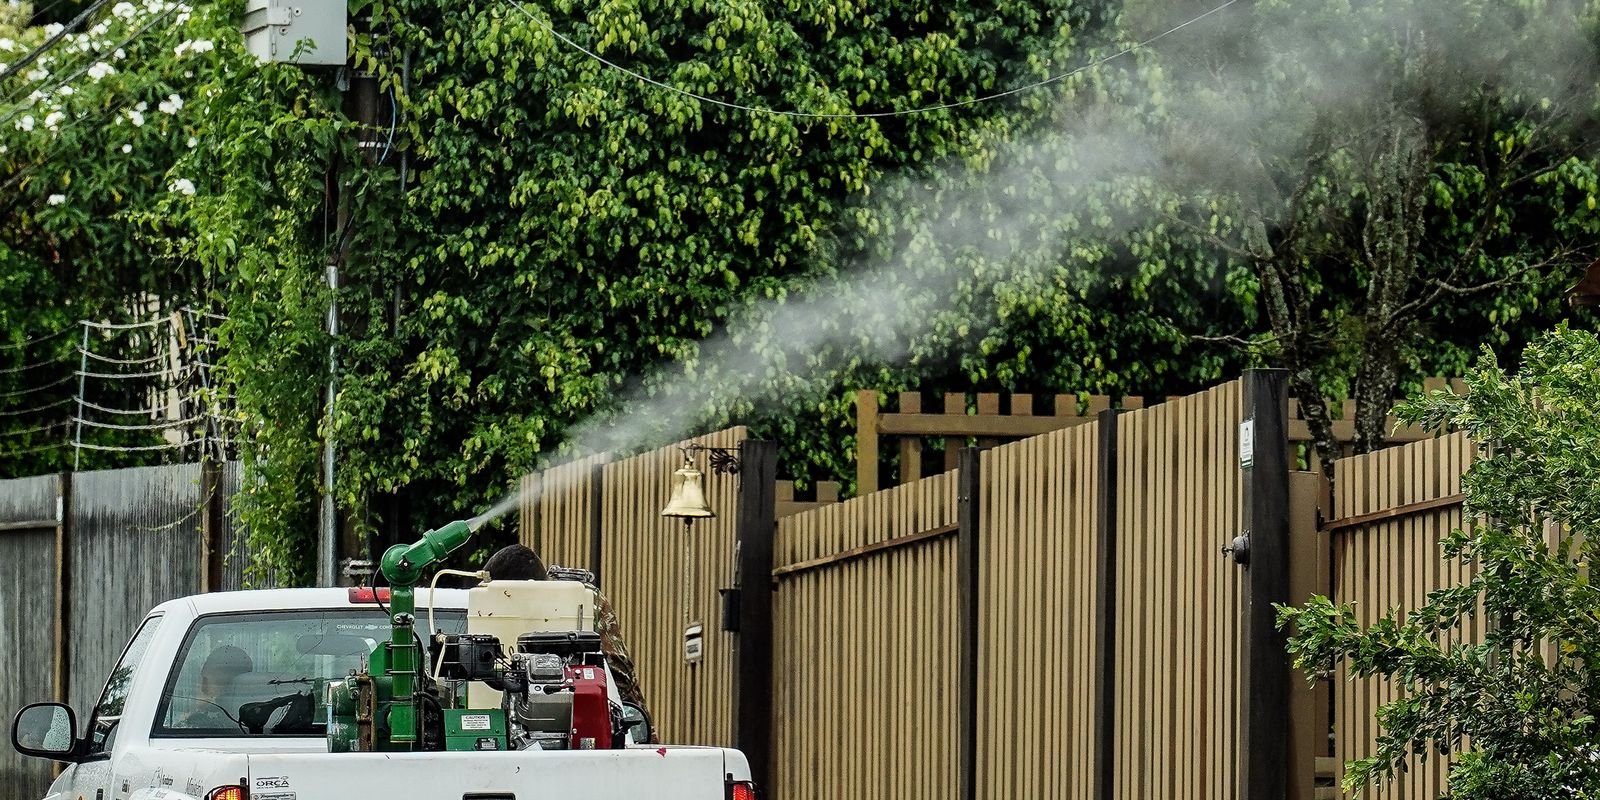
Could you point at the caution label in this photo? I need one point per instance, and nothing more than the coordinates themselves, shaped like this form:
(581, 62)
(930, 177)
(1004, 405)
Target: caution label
(475, 722)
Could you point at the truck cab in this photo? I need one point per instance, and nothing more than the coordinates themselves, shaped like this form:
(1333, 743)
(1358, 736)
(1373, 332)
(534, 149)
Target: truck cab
(223, 697)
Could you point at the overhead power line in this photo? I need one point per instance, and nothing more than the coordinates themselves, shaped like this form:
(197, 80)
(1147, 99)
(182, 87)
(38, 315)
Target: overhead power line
(140, 31)
(23, 412)
(54, 362)
(38, 339)
(60, 423)
(47, 44)
(126, 362)
(125, 326)
(35, 389)
(1057, 78)
(129, 448)
(154, 426)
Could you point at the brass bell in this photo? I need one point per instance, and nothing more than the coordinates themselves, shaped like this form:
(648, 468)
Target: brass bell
(688, 501)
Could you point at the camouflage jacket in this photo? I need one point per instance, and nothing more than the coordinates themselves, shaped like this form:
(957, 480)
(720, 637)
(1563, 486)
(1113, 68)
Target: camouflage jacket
(616, 651)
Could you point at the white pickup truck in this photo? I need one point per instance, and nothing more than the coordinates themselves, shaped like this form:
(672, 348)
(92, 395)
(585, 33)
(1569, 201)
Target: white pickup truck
(155, 734)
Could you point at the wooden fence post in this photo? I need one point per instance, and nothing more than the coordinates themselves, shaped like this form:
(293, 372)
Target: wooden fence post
(63, 581)
(968, 514)
(212, 526)
(866, 442)
(597, 497)
(1264, 679)
(756, 526)
(1105, 688)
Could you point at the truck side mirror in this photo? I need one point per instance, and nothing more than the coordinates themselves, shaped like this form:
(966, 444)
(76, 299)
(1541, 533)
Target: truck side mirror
(637, 724)
(45, 730)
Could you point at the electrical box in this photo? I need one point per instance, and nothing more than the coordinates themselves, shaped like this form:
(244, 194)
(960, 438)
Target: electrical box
(302, 32)
(476, 729)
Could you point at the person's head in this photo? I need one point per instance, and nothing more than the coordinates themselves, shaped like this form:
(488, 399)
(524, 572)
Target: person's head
(222, 665)
(515, 563)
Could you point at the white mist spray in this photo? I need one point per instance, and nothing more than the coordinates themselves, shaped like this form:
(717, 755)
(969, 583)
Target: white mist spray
(1211, 131)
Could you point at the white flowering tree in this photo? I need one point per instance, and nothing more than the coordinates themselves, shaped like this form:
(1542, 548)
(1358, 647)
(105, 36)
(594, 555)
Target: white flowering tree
(93, 129)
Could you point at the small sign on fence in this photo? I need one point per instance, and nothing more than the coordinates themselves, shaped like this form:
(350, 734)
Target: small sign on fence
(1247, 443)
(693, 643)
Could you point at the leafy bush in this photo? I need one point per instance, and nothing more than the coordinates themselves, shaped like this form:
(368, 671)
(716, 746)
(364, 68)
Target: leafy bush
(1526, 697)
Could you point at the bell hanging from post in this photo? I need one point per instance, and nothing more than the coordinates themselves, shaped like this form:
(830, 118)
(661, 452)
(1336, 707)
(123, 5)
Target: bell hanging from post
(688, 501)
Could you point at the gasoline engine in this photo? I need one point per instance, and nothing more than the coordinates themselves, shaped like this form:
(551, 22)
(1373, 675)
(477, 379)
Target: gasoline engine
(528, 673)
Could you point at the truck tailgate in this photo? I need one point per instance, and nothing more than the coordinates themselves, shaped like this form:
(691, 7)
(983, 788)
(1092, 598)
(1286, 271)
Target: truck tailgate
(690, 773)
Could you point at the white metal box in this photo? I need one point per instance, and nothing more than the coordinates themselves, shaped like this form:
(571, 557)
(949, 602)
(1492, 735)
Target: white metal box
(508, 609)
(275, 29)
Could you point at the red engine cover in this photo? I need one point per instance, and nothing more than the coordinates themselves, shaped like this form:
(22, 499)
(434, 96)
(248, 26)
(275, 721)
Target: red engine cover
(591, 708)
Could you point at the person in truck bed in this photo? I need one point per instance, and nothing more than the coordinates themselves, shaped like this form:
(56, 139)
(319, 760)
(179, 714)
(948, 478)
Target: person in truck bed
(519, 563)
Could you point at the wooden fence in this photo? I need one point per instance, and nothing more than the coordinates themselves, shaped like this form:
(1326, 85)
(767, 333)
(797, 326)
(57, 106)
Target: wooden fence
(985, 418)
(1039, 655)
(1391, 509)
(1055, 617)
(1052, 620)
(866, 624)
(1180, 499)
(660, 577)
(955, 419)
(83, 557)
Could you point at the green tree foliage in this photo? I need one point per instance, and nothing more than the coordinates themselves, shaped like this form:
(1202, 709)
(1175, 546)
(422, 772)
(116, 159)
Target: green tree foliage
(1411, 179)
(564, 228)
(545, 253)
(90, 134)
(1527, 695)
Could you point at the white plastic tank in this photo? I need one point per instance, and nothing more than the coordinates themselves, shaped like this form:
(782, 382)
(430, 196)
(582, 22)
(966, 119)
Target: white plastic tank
(508, 609)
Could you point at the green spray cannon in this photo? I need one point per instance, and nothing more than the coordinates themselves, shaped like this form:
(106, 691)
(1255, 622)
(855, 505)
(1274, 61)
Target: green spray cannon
(357, 705)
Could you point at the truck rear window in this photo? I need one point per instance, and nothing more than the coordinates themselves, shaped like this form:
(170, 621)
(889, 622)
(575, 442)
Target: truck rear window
(264, 673)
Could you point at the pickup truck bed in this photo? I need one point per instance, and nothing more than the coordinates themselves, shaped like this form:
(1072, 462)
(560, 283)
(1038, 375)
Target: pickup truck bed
(633, 773)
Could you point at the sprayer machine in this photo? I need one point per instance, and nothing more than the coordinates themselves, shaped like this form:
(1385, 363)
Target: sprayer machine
(529, 672)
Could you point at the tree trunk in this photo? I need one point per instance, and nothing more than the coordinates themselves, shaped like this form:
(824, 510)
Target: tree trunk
(1391, 237)
(1287, 311)
(1376, 379)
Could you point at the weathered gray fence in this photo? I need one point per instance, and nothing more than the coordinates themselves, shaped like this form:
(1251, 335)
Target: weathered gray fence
(28, 617)
(82, 557)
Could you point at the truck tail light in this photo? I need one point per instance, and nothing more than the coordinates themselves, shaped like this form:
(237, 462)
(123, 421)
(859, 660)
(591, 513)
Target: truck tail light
(228, 793)
(367, 594)
(741, 790)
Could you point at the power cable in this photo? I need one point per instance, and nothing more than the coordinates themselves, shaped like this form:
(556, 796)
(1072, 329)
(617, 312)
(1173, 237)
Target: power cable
(129, 375)
(133, 362)
(867, 114)
(154, 426)
(129, 448)
(34, 389)
(37, 339)
(133, 412)
(22, 412)
(33, 366)
(33, 55)
(150, 23)
(43, 87)
(38, 13)
(40, 429)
